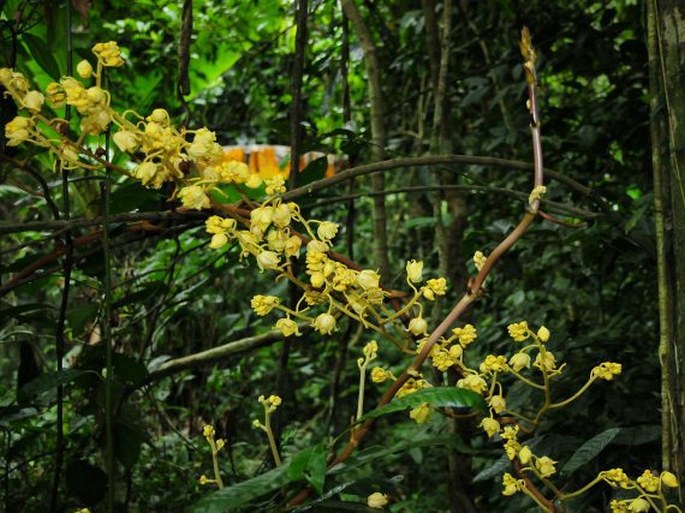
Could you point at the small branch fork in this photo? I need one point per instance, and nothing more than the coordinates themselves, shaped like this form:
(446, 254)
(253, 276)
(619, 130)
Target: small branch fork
(475, 284)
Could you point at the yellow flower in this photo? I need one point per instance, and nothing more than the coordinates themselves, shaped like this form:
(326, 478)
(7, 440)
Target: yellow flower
(479, 260)
(368, 279)
(466, 335)
(292, 246)
(208, 431)
(370, 350)
(518, 331)
(536, 194)
(490, 426)
(649, 481)
(545, 466)
(281, 215)
(421, 414)
(435, 287)
(498, 403)
(33, 101)
(414, 271)
(619, 506)
(56, 94)
(193, 196)
(204, 480)
(473, 382)
(615, 477)
(84, 69)
(126, 140)
(324, 324)
(268, 260)
(327, 230)
(493, 363)
(379, 374)
(607, 370)
(377, 500)
(17, 130)
(639, 505)
(543, 334)
(147, 172)
(519, 361)
(525, 454)
(546, 362)
(669, 479)
(417, 326)
(510, 484)
(271, 403)
(109, 54)
(262, 305)
(288, 327)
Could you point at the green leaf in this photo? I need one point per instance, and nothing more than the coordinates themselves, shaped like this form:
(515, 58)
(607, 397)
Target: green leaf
(128, 369)
(447, 397)
(127, 443)
(242, 493)
(310, 465)
(39, 51)
(495, 469)
(47, 382)
(82, 316)
(589, 450)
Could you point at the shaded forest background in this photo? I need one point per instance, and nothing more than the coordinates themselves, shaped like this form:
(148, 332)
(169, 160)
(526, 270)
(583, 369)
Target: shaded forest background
(589, 274)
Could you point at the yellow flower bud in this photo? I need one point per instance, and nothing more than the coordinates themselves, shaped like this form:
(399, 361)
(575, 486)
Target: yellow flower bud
(414, 271)
(639, 505)
(84, 69)
(543, 334)
(519, 361)
(288, 327)
(669, 479)
(324, 323)
(421, 414)
(525, 454)
(377, 500)
(417, 326)
(490, 426)
(193, 196)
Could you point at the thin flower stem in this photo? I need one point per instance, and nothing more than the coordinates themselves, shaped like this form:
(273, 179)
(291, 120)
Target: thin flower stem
(575, 396)
(272, 440)
(360, 398)
(215, 464)
(527, 381)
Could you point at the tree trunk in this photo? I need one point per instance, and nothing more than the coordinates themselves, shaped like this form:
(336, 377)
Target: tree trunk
(666, 46)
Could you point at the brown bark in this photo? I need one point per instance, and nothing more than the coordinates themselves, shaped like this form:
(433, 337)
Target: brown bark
(666, 47)
(378, 135)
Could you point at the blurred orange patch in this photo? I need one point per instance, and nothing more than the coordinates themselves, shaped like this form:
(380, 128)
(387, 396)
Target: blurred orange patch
(271, 160)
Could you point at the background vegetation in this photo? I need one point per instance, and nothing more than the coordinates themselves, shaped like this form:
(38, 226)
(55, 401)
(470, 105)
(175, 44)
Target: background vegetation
(590, 278)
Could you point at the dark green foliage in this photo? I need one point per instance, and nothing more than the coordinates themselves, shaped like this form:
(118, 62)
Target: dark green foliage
(593, 285)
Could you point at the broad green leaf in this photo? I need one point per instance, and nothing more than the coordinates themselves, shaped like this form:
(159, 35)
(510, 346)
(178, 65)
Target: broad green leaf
(242, 493)
(310, 465)
(48, 382)
(497, 468)
(127, 443)
(43, 55)
(589, 450)
(446, 397)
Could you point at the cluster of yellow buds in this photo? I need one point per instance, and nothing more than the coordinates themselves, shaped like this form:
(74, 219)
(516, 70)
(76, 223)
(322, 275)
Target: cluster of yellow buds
(215, 445)
(270, 405)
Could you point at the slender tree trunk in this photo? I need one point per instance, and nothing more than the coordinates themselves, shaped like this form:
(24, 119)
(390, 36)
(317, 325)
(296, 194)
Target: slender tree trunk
(377, 133)
(666, 46)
